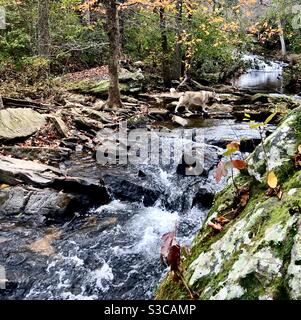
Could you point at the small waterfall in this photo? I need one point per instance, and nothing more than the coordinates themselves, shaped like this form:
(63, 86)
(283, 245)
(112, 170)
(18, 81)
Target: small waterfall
(262, 75)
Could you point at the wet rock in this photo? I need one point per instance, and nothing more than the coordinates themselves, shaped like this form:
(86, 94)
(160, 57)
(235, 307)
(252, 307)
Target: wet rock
(135, 189)
(181, 121)
(74, 141)
(15, 171)
(199, 163)
(259, 113)
(19, 123)
(204, 197)
(43, 203)
(23, 200)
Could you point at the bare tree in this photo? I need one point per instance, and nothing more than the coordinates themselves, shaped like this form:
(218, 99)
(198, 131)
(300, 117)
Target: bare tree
(164, 45)
(112, 29)
(43, 28)
(177, 65)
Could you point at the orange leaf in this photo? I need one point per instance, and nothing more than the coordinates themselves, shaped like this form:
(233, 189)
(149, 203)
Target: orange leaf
(234, 145)
(222, 220)
(239, 164)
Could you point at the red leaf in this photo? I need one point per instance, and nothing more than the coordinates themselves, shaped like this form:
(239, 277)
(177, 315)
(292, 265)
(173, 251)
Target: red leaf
(168, 240)
(220, 172)
(171, 250)
(239, 164)
(174, 257)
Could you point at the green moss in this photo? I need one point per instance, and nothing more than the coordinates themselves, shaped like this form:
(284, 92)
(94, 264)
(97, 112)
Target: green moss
(168, 289)
(95, 87)
(253, 286)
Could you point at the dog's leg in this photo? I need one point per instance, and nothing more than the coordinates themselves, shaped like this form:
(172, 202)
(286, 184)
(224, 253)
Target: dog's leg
(179, 104)
(205, 113)
(187, 110)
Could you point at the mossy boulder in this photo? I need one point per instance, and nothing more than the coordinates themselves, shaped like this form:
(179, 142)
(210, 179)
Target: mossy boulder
(258, 254)
(129, 82)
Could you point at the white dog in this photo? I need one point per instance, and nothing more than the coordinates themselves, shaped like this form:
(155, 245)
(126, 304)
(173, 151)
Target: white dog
(196, 99)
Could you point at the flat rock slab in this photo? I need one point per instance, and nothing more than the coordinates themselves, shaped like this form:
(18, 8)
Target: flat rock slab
(19, 123)
(15, 172)
(37, 153)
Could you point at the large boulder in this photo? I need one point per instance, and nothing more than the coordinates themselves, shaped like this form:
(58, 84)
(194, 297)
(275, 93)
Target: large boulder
(19, 123)
(257, 255)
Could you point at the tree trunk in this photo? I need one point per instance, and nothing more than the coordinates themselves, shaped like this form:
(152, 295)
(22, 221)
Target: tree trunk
(43, 28)
(164, 45)
(122, 19)
(188, 52)
(282, 40)
(177, 65)
(112, 27)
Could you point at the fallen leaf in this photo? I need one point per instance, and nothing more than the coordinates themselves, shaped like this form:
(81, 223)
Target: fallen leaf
(234, 145)
(43, 246)
(280, 194)
(297, 160)
(221, 171)
(272, 180)
(231, 148)
(174, 257)
(215, 226)
(299, 148)
(244, 199)
(4, 186)
(167, 241)
(270, 118)
(239, 164)
(222, 220)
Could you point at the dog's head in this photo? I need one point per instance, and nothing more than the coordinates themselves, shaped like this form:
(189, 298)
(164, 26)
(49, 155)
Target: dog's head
(214, 97)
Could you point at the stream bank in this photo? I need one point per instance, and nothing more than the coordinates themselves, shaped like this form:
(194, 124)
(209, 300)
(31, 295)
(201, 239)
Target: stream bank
(257, 254)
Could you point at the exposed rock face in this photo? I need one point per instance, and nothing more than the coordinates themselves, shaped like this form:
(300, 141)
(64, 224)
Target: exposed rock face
(258, 254)
(19, 123)
(42, 203)
(56, 193)
(17, 200)
(124, 189)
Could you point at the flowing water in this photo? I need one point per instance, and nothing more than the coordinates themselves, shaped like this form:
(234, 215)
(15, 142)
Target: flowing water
(262, 76)
(113, 251)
